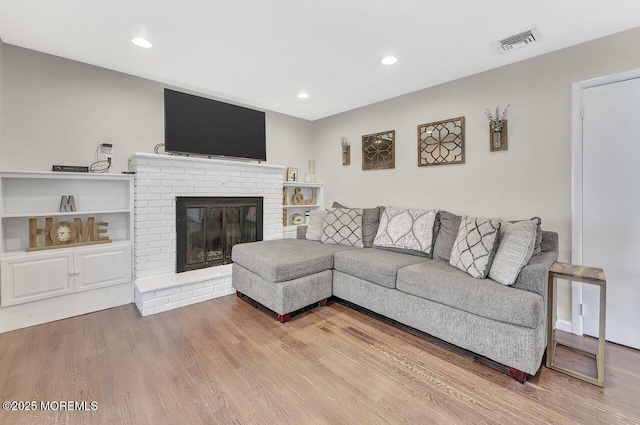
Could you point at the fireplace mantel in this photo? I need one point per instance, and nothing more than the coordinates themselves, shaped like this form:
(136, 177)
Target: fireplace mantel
(159, 179)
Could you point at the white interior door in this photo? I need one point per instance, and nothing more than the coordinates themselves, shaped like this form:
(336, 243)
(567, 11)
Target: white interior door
(611, 207)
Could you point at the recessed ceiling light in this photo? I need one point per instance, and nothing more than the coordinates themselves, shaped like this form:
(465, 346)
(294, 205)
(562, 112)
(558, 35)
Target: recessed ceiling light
(303, 95)
(389, 60)
(142, 42)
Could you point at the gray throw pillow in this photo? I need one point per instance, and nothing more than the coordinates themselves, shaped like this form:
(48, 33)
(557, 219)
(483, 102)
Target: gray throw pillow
(475, 245)
(406, 228)
(343, 227)
(449, 225)
(316, 223)
(514, 250)
(370, 222)
(538, 248)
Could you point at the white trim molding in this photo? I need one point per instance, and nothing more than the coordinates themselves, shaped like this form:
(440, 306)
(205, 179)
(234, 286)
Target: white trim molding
(564, 325)
(576, 184)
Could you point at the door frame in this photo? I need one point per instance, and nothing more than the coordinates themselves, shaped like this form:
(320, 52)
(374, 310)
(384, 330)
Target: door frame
(576, 181)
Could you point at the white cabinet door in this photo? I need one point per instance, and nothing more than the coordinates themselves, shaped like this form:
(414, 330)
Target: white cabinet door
(100, 267)
(26, 279)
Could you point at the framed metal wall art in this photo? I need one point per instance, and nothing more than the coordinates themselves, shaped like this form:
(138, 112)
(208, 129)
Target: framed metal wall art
(441, 142)
(378, 150)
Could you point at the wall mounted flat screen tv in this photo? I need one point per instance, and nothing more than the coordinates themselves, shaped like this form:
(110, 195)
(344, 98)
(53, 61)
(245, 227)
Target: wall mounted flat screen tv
(195, 125)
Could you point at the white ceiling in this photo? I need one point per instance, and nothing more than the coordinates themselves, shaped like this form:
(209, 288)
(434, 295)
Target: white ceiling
(262, 53)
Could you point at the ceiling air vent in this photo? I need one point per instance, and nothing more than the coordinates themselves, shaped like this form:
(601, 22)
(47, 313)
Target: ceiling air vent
(518, 41)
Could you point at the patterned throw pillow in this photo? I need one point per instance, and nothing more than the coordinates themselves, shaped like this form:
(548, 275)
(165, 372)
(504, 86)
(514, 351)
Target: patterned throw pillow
(370, 222)
(343, 226)
(515, 249)
(475, 245)
(316, 223)
(406, 228)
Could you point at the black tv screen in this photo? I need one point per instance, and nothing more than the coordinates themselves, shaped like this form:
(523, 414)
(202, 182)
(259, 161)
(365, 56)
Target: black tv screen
(195, 125)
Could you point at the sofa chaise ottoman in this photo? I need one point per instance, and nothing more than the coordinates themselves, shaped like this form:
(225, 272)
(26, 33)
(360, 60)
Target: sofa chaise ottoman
(284, 275)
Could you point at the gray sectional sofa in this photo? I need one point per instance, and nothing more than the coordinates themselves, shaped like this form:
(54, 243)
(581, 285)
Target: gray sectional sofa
(504, 323)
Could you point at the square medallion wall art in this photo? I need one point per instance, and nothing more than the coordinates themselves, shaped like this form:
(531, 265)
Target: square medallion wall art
(378, 151)
(441, 142)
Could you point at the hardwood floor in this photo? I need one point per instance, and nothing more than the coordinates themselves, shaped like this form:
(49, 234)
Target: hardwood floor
(226, 361)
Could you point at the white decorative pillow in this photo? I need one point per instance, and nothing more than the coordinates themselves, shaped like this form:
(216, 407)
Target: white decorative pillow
(517, 241)
(316, 222)
(406, 228)
(475, 245)
(343, 226)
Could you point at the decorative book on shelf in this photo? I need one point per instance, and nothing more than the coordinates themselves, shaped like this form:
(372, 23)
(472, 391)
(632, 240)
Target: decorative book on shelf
(64, 234)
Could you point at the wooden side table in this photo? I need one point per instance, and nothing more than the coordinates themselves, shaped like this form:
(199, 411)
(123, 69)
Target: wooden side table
(593, 276)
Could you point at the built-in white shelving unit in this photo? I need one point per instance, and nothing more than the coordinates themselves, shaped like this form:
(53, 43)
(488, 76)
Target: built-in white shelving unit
(41, 286)
(289, 209)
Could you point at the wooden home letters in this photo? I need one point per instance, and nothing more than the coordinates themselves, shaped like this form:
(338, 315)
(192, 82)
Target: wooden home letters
(66, 234)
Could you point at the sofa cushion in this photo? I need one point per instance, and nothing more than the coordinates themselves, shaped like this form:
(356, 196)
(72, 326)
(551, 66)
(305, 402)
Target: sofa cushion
(446, 236)
(343, 226)
(370, 222)
(406, 228)
(438, 281)
(514, 250)
(475, 245)
(285, 259)
(375, 265)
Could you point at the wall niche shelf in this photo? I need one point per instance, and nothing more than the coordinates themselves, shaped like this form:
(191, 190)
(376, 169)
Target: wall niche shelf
(315, 206)
(66, 213)
(289, 208)
(45, 285)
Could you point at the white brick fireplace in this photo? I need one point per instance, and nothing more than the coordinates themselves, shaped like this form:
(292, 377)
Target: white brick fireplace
(159, 180)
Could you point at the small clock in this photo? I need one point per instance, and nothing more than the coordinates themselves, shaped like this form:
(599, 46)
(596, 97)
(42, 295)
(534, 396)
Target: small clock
(297, 219)
(63, 233)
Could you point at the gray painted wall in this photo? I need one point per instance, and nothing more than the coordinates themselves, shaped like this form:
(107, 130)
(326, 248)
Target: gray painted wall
(532, 178)
(58, 110)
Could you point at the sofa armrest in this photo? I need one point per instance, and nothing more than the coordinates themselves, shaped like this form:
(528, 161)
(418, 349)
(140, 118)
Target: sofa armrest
(549, 241)
(534, 277)
(301, 233)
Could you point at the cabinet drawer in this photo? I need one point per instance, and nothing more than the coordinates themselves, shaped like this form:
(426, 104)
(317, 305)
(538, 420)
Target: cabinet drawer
(35, 278)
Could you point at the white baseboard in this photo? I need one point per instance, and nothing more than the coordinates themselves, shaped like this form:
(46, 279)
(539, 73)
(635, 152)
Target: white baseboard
(564, 325)
(57, 308)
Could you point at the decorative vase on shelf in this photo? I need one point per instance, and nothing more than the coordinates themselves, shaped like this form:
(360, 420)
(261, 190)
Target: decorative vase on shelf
(311, 172)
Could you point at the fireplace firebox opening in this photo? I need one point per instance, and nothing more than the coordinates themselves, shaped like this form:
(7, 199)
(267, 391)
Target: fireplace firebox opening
(207, 228)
